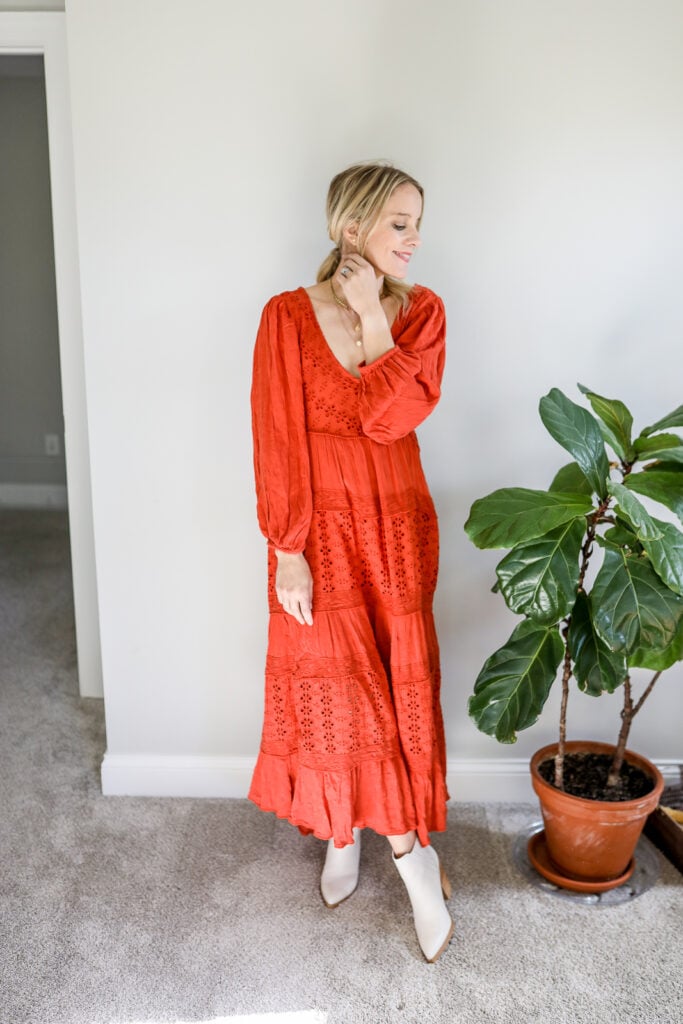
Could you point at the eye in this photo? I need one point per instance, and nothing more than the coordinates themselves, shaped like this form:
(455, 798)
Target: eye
(400, 227)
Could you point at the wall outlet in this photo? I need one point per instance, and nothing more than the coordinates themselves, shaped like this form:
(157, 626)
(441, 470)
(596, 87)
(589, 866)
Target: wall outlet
(52, 444)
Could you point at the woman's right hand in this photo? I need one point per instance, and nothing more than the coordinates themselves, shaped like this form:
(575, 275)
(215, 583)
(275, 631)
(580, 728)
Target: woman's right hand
(294, 586)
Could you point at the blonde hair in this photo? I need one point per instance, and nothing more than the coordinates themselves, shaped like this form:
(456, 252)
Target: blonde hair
(359, 194)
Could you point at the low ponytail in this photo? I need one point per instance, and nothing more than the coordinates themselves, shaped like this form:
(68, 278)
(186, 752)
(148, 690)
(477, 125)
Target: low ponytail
(329, 265)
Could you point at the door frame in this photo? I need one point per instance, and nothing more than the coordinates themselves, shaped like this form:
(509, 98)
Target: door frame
(45, 34)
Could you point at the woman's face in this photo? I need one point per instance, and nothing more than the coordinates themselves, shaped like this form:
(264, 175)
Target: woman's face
(394, 238)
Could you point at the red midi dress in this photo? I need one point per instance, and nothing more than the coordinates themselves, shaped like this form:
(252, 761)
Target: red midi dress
(353, 731)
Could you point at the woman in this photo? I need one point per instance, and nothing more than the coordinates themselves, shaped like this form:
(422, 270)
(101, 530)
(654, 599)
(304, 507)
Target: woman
(343, 372)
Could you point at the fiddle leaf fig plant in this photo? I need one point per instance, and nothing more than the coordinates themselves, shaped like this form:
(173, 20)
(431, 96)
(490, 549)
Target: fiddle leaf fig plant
(631, 616)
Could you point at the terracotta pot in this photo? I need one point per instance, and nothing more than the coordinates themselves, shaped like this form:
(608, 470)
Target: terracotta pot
(592, 840)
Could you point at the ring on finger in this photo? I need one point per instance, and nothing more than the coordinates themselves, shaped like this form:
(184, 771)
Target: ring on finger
(345, 271)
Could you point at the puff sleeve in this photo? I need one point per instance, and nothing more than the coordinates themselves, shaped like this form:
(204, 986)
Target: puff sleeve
(281, 461)
(400, 389)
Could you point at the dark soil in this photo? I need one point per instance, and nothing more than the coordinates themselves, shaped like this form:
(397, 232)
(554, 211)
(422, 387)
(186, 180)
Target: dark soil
(585, 775)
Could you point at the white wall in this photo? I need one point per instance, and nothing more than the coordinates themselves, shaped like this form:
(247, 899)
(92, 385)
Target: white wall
(30, 390)
(549, 137)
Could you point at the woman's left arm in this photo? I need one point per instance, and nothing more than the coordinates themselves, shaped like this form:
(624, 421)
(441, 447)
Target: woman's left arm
(400, 388)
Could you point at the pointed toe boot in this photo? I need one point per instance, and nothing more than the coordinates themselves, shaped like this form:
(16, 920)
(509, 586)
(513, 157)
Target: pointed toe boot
(427, 887)
(339, 878)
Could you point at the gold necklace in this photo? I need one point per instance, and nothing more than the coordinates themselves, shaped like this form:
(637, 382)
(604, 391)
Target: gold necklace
(340, 302)
(356, 336)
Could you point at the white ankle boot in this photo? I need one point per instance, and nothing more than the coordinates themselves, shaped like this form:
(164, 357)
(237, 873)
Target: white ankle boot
(340, 871)
(427, 887)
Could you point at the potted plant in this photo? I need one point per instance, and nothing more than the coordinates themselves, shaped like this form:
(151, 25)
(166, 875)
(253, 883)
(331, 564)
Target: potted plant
(629, 617)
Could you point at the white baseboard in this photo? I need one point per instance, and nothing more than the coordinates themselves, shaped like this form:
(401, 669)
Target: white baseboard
(474, 780)
(479, 780)
(150, 775)
(53, 496)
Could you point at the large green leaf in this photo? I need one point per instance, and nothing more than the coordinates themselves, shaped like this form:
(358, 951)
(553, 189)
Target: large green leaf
(658, 660)
(662, 541)
(634, 512)
(576, 430)
(670, 454)
(666, 554)
(661, 446)
(633, 611)
(513, 515)
(596, 667)
(661, 465)
(672, 419)
(571, 479)
(539, 578)
(514, 683)
(616, 423)
(662, 485)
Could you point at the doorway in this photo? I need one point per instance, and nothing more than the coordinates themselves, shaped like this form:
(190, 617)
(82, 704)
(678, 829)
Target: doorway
(35, 43)
(32, 465)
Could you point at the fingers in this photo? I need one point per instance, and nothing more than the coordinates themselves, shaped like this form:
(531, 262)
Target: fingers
(294, 610)
(350, 264)
(294, 587)
(356, 281)
(299, 610)
(306, 614)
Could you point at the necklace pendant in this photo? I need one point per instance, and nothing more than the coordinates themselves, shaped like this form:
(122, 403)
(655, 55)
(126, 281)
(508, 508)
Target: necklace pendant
(359, 342)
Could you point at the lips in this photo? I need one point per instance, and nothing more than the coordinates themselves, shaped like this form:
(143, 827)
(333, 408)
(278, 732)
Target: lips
(405, 256)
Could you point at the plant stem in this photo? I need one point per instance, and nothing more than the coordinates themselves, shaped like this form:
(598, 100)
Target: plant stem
(586, 552)
(646, 693)
(626, 719)
(562, 742)
(628, 713)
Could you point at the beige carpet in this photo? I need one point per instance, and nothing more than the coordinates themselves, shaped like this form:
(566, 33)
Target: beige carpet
(115, 911)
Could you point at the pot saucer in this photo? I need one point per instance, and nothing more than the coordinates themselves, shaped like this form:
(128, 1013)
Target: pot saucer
(541, 860)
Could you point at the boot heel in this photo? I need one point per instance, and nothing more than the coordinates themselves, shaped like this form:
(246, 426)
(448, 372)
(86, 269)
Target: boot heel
(446, 887)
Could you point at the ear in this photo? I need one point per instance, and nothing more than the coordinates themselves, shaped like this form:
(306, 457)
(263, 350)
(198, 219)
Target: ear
(350, 236)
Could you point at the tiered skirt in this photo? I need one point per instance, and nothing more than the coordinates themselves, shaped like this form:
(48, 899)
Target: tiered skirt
(353, 731)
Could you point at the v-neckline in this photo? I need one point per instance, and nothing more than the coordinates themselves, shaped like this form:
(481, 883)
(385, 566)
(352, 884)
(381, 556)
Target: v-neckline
(325, 342)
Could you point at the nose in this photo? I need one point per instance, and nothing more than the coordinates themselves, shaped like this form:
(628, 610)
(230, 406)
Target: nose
(414, 238)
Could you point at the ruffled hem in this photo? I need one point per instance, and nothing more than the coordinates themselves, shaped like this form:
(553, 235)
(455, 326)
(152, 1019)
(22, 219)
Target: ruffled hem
(376, 793)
